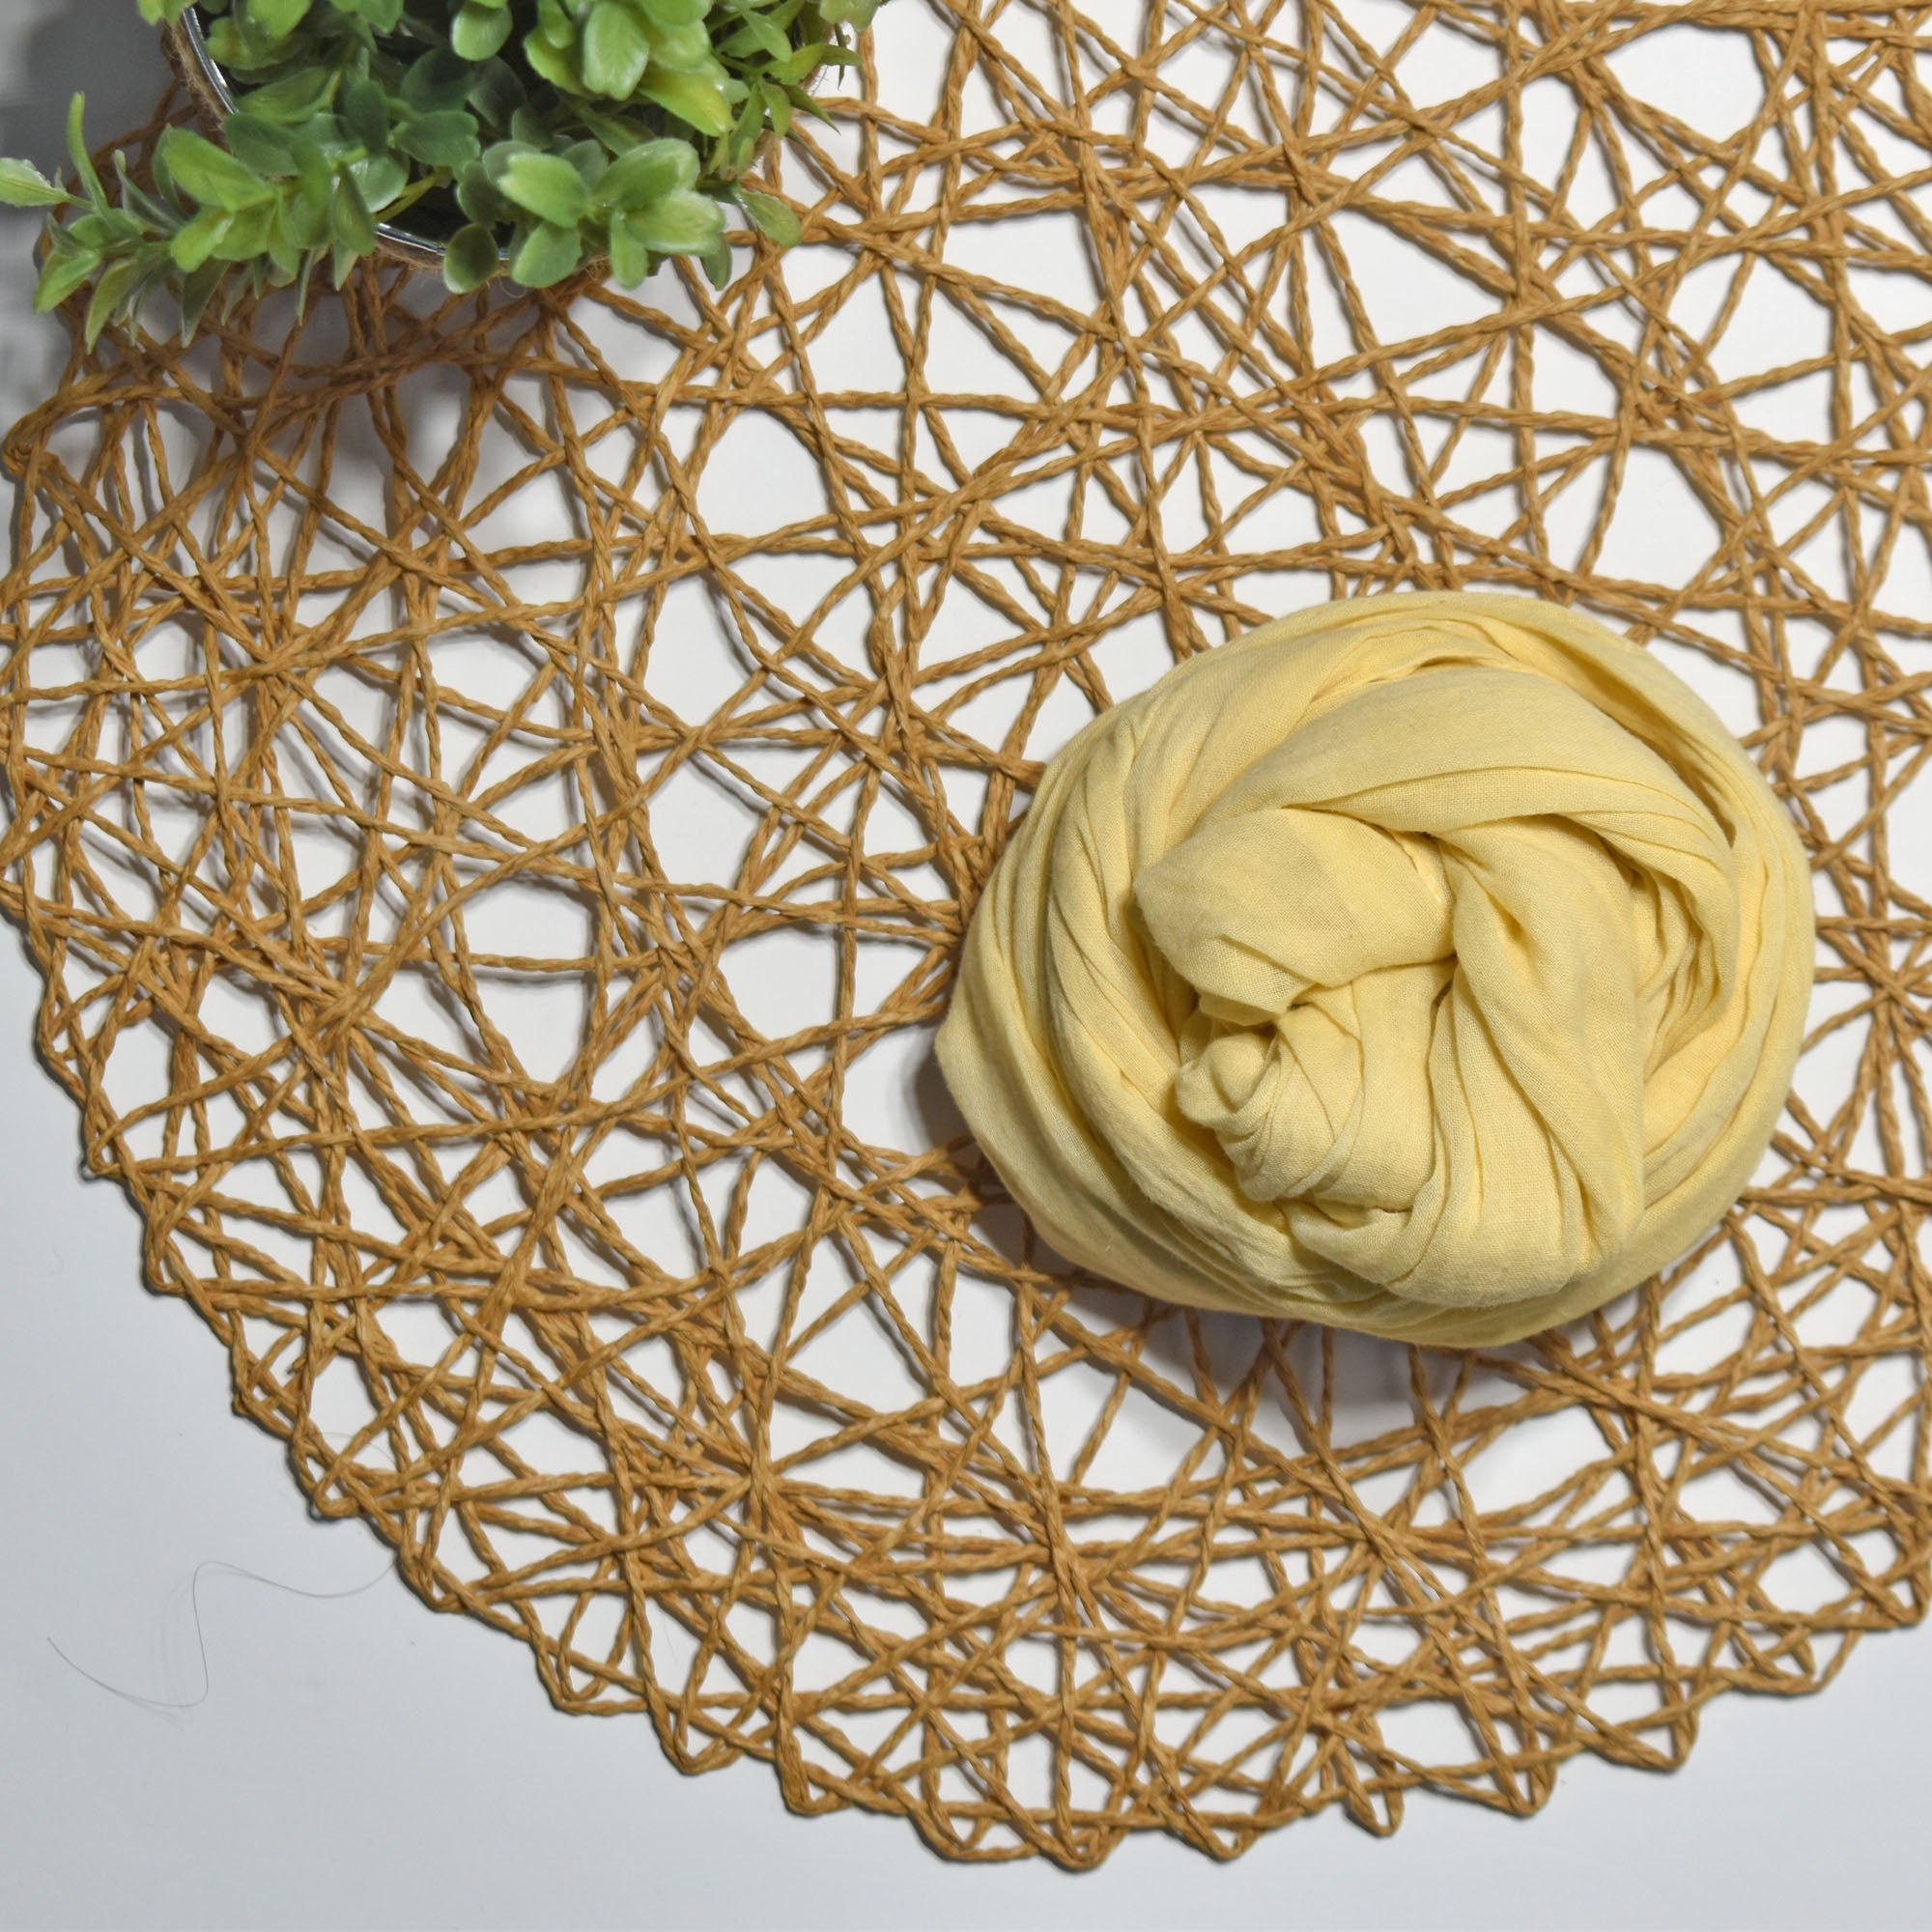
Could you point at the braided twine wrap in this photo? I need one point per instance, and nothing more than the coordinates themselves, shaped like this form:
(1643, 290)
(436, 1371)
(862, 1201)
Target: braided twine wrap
(495, 787)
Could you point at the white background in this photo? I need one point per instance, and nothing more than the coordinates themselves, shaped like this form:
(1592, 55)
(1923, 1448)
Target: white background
(356, 1762)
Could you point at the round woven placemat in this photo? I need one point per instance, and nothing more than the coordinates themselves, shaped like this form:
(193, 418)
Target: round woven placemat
(496, 787)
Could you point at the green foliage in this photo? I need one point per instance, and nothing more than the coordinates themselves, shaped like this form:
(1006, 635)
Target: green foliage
(537, 133)
(23, 185)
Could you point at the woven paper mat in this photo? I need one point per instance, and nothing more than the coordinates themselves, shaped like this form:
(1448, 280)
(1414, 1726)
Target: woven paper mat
(495, 792)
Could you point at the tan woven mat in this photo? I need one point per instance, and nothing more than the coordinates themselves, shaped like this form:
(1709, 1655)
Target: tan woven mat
(495, 789)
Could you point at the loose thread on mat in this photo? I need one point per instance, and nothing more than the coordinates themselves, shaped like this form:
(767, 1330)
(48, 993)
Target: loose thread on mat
(202, 1570)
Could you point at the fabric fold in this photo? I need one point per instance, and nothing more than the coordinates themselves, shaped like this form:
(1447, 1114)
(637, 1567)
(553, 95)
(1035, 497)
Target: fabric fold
(1434, 965)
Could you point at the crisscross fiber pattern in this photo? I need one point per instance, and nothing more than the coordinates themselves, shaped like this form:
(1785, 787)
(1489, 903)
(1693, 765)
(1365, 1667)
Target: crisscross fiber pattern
(495, 791)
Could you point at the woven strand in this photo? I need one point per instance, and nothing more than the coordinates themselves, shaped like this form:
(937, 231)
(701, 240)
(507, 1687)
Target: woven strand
(397, 696)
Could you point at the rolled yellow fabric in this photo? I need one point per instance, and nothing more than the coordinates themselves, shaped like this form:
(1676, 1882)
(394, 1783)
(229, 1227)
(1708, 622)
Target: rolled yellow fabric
(1433, 965)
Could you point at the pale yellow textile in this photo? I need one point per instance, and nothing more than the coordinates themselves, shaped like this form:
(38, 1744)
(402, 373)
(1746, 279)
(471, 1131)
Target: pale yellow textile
(1433, 965)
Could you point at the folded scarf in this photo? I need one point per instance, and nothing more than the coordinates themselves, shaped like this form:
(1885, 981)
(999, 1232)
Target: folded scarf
(1433, 965)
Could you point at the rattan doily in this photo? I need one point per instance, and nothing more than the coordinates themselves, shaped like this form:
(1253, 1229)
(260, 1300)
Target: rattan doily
(495, 791)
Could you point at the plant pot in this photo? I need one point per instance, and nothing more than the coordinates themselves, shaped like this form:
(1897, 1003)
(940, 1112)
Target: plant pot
(414, 246)
(206, 84)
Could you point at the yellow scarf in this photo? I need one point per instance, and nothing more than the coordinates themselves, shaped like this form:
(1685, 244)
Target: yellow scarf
(1432, 965)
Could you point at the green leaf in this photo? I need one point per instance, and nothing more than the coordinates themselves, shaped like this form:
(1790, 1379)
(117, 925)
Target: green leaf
(477, 197)
(696, 101)
(757, 36)
(749, 128)
(294, 99)
(439, 81)
(545, 255)
(616, 50)
(247, 232)
(379, 180)
(646, 173)
(771, 216)
(193, 245)
(65, 271)
(315, 170)
(231, 47)
(618, 132)
(366, 110)
(549, 188)
(278, 18)
(105, 232)
(556, 65)
(470, 259)
(479, 30)
(685, 50)
(329, 133)
(284, 250)
(76, 148)
(718, 263)
(24, 185)
(803, 103)
(260, 145)
(798, 67)
(351, 225)
(674, 12)
(630, 258)
(207, 174)
(496, 94)
(499, 154)
(304, 210)
(682, 223)
(117, 282)
(196, 292)
(441, 140)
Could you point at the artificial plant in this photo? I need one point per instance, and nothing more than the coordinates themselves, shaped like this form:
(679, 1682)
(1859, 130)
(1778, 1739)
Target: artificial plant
(527, 135)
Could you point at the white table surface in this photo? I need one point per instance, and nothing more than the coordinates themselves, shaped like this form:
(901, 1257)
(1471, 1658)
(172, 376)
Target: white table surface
(355, 1761)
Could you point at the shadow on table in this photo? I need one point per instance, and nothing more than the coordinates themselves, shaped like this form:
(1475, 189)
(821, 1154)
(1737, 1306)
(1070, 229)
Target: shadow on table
(102, 48)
